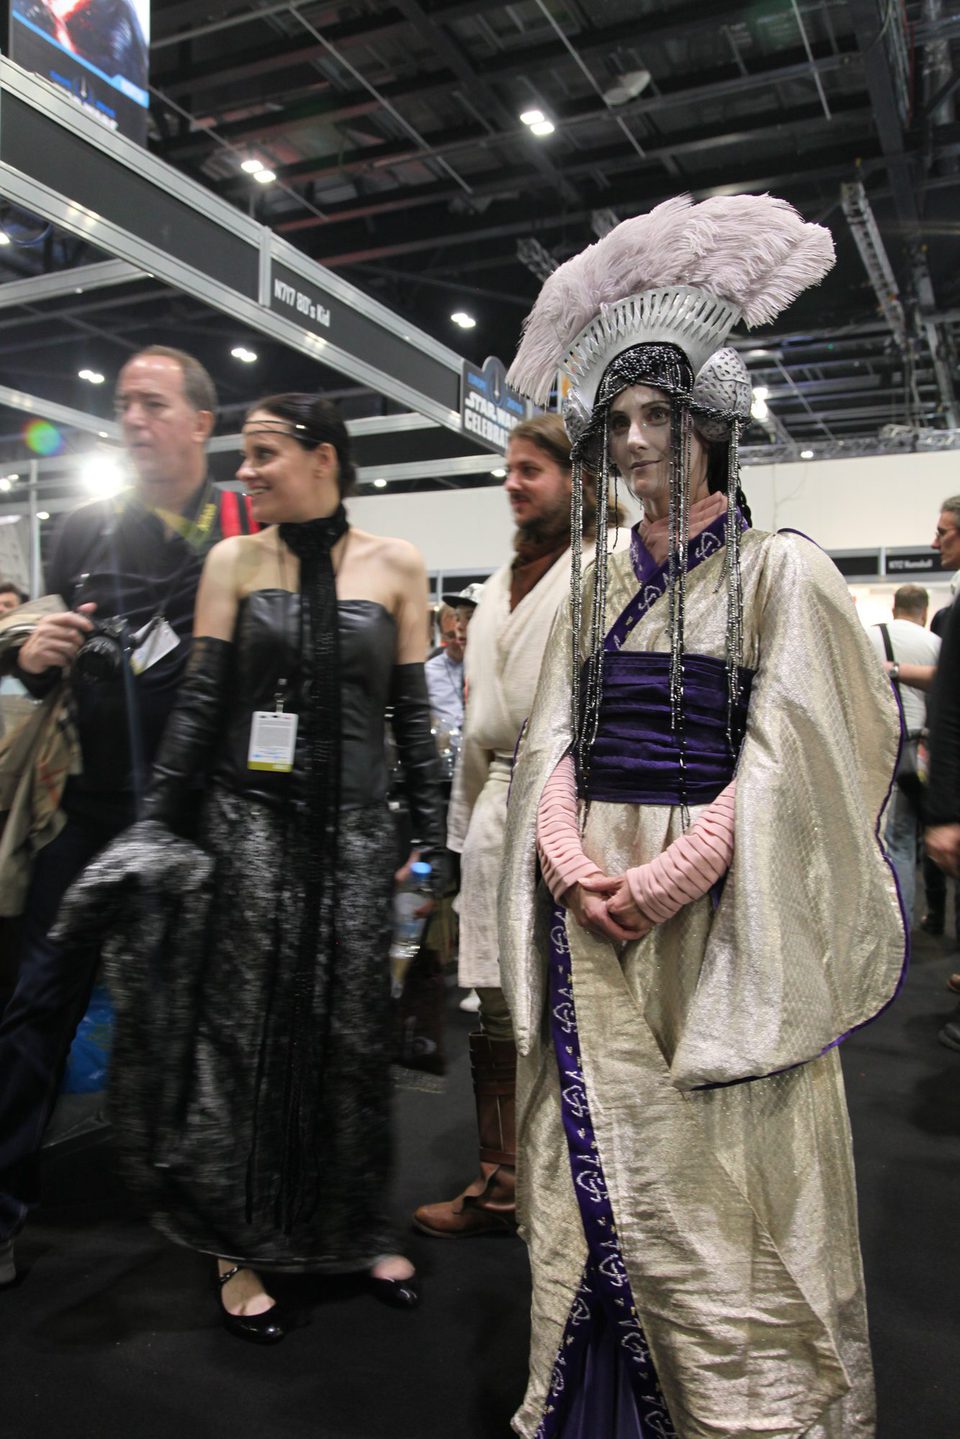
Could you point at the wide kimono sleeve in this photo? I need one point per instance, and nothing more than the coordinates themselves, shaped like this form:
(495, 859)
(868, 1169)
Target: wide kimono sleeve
(523, 910)
(808, 942)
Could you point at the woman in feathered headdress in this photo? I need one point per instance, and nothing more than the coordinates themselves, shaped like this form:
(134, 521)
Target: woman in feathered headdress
(720, 914)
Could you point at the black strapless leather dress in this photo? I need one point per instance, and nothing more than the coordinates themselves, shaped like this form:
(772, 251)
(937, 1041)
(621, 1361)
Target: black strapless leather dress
(223, 1174)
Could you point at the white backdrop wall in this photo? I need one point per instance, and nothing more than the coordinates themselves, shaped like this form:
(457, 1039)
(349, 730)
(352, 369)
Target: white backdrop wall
(855, 504)
(842, 504)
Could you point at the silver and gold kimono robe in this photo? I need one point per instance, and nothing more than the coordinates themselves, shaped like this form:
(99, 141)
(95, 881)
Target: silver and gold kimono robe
(690, 1080)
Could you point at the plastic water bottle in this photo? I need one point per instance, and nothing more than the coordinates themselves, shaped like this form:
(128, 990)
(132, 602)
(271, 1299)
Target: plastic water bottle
(408, 926)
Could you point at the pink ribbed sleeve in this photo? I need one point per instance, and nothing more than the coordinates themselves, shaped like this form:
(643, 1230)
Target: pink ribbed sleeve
(691, 865)
(685, 871)
(562, 859)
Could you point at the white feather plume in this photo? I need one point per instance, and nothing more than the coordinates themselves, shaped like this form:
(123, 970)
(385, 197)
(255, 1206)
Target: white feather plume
(752, 250)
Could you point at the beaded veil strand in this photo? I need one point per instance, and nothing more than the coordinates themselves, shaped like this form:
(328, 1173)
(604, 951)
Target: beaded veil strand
(653, 303)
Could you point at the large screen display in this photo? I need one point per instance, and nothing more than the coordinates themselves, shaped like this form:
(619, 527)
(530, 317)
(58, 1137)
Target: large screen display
(96, 50)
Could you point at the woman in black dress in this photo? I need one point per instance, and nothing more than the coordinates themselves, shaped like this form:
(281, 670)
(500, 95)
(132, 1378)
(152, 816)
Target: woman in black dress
(305, 633)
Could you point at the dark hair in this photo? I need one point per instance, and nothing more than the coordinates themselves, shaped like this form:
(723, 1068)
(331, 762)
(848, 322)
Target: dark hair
(718, 458)
(9, 587)
(317, 422)
(198, 387)
(548, 434)
(911, 600)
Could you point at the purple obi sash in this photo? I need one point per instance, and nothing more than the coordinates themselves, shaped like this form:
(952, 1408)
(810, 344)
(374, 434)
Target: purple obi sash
(635, 758)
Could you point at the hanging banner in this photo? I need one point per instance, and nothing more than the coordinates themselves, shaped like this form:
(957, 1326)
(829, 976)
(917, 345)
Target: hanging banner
(325, 315)
(489, 409)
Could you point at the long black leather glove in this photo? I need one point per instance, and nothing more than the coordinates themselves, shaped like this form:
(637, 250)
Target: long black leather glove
(189, 740)
(423, 772)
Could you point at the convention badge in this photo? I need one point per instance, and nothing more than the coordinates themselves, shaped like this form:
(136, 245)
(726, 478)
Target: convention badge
(273, 740)
(152, 644)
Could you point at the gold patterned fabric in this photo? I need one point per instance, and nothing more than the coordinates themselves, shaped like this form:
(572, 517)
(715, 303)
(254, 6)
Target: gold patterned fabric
(735, 1205)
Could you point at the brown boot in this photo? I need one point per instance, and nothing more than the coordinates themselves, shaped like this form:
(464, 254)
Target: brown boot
(488, 1205)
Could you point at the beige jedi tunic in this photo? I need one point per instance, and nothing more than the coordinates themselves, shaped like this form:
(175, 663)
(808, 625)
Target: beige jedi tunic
(501, 667)
(736, 1206)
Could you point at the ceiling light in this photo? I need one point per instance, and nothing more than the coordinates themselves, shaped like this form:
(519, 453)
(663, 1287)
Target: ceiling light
(6, 484)
(627, 87)
(4, 238)
(461, 318)
(102, 434)
(252, 165)
(264, 177)
(43, 514)
(543, 127)
(500, 474)
(532, 117)
(240, 352)
(380, 484)
(759, 409)
(760, 392)
(102, 475)
(92, 377)
(806, 454)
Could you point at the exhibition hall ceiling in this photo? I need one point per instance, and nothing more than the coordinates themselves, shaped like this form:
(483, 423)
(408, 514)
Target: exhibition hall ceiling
(392, 129)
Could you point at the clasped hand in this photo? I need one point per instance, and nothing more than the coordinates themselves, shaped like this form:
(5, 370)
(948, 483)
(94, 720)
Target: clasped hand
(604, 906)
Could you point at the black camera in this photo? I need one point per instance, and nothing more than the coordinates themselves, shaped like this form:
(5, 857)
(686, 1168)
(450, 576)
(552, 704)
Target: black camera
(102, 657)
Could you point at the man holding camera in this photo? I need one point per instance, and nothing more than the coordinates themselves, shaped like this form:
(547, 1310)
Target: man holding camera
(127, 570)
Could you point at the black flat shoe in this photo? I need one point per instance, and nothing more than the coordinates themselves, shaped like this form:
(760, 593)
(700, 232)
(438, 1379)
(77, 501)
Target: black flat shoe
(265, 1328)
(400, 1293)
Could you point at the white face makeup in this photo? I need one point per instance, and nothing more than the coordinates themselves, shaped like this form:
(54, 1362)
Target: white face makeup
(641, 443)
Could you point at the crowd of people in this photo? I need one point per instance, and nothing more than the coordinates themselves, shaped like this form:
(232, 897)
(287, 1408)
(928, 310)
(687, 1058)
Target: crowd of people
(647, 721)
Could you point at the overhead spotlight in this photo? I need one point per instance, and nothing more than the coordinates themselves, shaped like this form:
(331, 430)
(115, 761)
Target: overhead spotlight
(543, 127)
(252, 165)
(759, 409)
(6, 484)
(532, 117)
(264, 177)
(92, 377)
(806, 454)
(627, 87)
(380, 483)
(499, 474)
(240, 352)
(4, 238)
(102, 475)
(102, 435)
(43, 514)
(461, 318)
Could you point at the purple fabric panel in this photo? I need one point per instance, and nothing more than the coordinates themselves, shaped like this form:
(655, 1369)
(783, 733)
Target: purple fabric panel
(635, 758)
(653, 578)
(602, 1402)
(605, 1286)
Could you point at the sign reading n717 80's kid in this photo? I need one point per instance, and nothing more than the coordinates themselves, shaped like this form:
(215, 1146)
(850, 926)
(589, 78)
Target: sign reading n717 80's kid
(489, 409)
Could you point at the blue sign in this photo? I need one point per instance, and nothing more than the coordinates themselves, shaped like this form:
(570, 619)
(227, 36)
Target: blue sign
(489, 409)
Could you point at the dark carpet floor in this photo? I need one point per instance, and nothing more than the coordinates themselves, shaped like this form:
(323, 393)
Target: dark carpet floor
(111, 1333)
